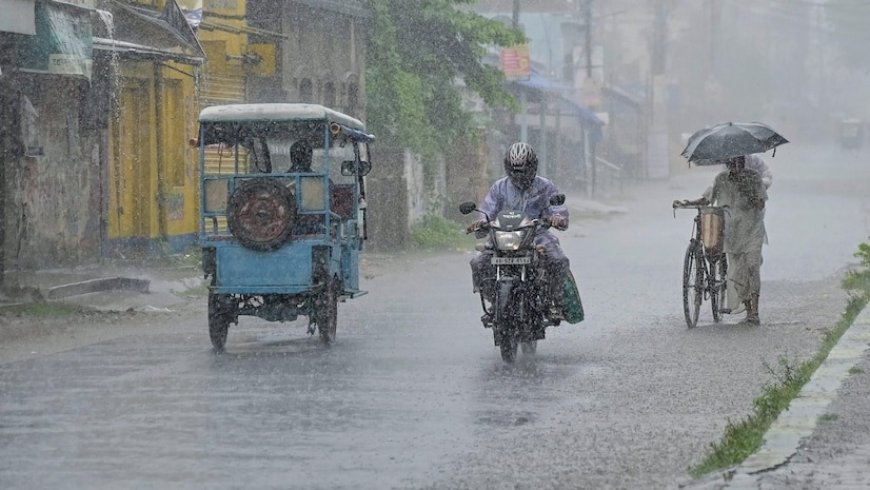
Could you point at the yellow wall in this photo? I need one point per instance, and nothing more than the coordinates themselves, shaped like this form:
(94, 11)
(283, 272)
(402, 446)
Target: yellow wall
(144, 149)
(147, 142)
(222, 37)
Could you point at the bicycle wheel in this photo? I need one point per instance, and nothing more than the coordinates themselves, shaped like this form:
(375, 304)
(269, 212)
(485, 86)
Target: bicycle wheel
(693, 284)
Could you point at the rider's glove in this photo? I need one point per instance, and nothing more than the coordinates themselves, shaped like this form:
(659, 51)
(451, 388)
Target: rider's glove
(475, 226)
(559, 222)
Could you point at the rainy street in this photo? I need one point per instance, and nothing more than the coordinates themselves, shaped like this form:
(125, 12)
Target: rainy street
(414, 395)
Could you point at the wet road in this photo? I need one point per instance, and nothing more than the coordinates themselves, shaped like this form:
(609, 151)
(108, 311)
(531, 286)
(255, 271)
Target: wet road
(414, 395)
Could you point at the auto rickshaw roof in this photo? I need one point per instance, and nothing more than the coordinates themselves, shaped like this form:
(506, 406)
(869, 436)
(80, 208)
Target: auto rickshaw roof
(277, 112)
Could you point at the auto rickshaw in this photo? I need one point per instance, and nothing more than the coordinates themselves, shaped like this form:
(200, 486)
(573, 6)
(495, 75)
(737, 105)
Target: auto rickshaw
(282, 218)
(851, 134)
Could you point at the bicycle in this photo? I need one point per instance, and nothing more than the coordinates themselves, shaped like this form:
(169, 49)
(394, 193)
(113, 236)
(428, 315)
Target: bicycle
(705, 267)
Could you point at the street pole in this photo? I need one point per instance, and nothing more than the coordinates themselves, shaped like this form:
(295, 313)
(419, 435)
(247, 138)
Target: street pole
(659, 36)
(524, 128)
(714, 36)
(587, 15)
(659, 159)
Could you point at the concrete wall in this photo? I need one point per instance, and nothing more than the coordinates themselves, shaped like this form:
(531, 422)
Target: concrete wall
(396, 196)
(323, 61)
(53, 207)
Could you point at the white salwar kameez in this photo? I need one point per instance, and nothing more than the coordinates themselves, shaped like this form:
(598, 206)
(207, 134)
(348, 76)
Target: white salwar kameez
(744, 231)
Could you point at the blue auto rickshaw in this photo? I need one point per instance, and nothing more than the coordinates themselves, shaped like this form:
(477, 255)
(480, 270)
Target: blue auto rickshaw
(282, 220)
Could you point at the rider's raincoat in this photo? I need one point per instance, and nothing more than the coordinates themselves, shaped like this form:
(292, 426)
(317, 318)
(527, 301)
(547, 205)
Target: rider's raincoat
(504, 195)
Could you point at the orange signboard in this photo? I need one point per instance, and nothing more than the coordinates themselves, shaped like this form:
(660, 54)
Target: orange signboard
(515, 61)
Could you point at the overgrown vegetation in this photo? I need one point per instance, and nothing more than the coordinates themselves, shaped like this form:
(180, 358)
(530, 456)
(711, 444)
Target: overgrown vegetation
(742, 438)
(858, 281)
(434, 232)
(414, 59)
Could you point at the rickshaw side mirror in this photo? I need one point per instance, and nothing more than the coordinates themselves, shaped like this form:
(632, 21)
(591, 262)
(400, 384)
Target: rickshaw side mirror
(557, 199)
(349, 167)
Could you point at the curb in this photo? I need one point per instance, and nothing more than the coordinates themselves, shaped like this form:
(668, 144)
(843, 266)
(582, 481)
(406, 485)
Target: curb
(31, 294)
(782, 440)
(96, 285)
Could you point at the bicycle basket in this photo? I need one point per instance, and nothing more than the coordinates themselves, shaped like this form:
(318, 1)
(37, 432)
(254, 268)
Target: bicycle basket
(712, 228)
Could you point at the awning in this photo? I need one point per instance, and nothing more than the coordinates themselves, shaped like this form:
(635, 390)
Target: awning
(621, 95)
(210, 25)
(592, 123)
(536, 81)
(571, 108)
(540, 83)
(62, 44)
(139, 33)
(19, 16)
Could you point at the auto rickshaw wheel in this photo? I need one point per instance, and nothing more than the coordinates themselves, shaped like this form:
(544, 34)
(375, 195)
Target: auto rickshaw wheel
(220, 314)
(326, 312)
(261, 213)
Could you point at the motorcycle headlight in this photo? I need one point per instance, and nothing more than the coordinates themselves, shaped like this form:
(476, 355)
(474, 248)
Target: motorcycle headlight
(509, 240)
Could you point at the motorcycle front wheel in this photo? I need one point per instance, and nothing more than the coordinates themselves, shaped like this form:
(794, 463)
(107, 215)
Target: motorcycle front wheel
(529, 348)
(508, 347)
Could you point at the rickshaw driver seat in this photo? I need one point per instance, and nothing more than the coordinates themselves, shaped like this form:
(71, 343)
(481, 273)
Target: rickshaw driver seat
(301, 154)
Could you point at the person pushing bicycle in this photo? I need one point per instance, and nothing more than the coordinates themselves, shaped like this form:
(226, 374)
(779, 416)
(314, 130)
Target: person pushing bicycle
(743, 192)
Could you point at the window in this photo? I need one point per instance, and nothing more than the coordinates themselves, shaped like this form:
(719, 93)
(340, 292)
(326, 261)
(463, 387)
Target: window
(306, 91)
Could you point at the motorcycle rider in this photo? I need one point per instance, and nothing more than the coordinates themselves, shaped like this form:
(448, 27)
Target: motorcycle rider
(523, 190)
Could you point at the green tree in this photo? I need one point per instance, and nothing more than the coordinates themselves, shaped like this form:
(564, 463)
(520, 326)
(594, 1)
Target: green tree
(418, 51)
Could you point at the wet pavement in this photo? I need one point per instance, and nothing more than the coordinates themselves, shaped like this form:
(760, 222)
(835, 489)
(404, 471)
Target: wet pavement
(414, 394)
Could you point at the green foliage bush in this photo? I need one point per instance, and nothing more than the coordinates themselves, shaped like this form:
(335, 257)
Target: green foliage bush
(434, 231)
(858, 281)
(414, 59)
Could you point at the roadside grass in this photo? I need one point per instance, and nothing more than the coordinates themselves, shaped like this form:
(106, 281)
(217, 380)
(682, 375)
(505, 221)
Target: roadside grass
(744, 437)
(828, 417)
(856, 370)
(435, 232)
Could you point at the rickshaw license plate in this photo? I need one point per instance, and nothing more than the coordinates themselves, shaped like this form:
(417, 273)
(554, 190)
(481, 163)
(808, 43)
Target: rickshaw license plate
(511, 260)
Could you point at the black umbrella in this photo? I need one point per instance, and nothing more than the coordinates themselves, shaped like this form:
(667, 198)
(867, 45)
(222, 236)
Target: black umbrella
(710, 145)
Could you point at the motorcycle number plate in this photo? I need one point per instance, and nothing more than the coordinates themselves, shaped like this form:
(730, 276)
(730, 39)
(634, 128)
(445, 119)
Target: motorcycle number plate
(511, 260)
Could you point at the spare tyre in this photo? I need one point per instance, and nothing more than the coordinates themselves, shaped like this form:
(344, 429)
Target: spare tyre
(261, 213)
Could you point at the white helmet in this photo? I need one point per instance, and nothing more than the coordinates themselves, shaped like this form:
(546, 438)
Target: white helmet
(521, 164)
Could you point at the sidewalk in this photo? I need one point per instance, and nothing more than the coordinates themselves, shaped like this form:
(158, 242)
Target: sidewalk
(823, 439)
(107, 286)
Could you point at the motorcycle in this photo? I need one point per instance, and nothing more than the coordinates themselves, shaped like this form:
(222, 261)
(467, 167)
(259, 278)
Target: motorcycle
(517, 314)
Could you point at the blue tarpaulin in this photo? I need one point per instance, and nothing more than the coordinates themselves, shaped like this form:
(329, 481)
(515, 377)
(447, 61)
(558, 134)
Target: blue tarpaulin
(539, 82)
